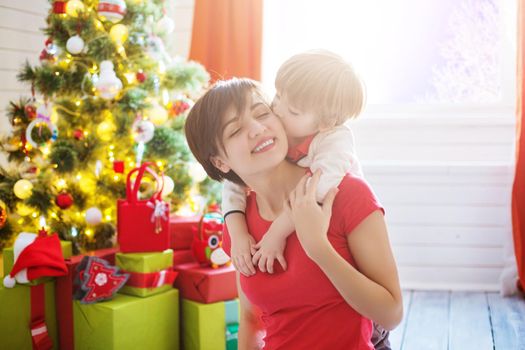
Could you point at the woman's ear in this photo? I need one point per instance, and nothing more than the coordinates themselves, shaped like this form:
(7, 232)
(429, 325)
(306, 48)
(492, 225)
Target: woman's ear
(219, 164)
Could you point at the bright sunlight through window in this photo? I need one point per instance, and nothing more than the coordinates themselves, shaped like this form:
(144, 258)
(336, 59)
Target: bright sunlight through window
(446, 52)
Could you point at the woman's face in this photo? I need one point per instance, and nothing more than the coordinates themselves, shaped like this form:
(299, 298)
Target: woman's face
(254, 141)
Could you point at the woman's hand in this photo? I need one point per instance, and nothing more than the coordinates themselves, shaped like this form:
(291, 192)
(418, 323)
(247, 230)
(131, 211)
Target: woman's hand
(311, 220)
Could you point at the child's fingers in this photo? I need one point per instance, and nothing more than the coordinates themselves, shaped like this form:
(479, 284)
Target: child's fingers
(239, 266)
(282, 261)
(253, 249)
(262, 264)
(269, 264)
(256, 257)
(249, 264)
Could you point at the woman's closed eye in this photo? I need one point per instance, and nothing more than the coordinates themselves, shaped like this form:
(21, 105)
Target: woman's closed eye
(234, 132)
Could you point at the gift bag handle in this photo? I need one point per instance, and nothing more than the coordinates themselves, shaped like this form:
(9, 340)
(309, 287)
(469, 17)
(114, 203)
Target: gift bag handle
(201, 221)
(131, 193)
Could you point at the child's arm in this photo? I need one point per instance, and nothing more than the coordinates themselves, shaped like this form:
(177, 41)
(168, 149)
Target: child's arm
(271, 246)
(242, 243)
(333, 152)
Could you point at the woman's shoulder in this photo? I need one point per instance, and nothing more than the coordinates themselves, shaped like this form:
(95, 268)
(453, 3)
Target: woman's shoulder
(355, 200)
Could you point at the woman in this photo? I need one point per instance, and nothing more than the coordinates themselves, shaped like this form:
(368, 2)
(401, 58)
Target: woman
(341, 272)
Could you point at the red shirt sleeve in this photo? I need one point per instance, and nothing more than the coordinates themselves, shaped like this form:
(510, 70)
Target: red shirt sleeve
(354, 202)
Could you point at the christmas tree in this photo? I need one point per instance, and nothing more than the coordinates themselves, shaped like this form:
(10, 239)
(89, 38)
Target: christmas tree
(105, 98)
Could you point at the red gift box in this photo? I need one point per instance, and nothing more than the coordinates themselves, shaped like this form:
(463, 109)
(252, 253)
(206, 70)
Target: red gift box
(182, 229)
(204, 284)
(183, 257)
(64, 296)
(142, 225)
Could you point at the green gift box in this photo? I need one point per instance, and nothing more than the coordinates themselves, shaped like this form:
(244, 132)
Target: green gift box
(210, 326)
(127, 322)
(144, 271)
(8, 259)
(15, 319)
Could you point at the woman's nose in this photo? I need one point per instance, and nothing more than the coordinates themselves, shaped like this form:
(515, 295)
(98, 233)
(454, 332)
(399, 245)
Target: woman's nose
(256, 128)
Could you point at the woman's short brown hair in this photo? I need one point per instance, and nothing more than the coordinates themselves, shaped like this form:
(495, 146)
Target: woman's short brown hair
(204, 122)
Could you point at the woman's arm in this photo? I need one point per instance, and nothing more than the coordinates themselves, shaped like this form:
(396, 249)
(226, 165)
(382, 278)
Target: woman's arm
(373, 288)
(248, 322)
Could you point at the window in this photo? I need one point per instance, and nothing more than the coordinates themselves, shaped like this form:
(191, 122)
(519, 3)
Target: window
(409, 52)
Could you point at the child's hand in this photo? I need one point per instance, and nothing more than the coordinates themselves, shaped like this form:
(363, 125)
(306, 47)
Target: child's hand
(269, 248)
(243, 247)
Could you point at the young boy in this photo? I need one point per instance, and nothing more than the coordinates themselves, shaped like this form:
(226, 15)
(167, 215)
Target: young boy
(316, 93)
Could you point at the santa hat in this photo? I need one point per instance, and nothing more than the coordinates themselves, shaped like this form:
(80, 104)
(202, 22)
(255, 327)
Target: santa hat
(35, 256)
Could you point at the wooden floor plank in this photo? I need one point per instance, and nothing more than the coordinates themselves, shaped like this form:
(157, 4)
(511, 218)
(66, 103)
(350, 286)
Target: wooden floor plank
(427, 322)
(508, 321)
(469, 324)
(396, 336)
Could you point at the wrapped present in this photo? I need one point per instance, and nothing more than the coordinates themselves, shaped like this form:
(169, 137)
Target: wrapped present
(128, 322)
(204, 284)
(65, 289)
(142, 225)
(182, 257)
(209, 326)
(150, 273)
(22, 241)
(182, 229)
(17, 323)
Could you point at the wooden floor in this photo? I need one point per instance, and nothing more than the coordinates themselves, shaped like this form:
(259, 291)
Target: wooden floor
(460, 321)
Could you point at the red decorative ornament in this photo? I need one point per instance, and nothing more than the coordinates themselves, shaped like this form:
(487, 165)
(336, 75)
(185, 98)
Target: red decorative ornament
(30, 111)
(97, 280)
(207, 241)
(178, 107)
(78, 134)
(64, 200)
(118, 166)
(48, 54)
(141, 76)
(3, 214)
(59, 7)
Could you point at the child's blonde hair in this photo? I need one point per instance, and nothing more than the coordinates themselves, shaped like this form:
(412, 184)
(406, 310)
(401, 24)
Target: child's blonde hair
(323, 83)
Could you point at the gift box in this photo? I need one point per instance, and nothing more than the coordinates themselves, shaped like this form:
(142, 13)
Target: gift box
(182, 229)
(64, 295)
(8, 261)
(128, 322)
(205, 284)
(150, 273)
(15, 319)
(209, 326)
(142, 225)
(183, 257)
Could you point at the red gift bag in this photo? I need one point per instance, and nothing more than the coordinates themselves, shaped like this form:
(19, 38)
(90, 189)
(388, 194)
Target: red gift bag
(142, 225)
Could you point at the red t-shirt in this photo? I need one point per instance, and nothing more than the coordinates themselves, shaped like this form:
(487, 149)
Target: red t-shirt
(300, 307)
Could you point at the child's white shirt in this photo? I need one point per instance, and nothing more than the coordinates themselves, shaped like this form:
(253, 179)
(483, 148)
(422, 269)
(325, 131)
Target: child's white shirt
(332, 151)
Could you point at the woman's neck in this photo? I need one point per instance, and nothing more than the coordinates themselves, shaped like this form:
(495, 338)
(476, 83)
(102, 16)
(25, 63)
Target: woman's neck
(273, 187)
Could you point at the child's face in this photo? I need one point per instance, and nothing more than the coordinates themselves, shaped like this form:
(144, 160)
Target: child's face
(296, 123)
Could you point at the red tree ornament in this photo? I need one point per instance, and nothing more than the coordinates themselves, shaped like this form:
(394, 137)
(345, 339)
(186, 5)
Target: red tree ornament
(59, 7)
(64, 200)
(141, 76)
(30, 111)
(97, 280)
(118, 166)
(78, 134)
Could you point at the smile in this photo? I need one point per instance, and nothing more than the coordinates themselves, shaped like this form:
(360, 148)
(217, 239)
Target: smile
(263, 146)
